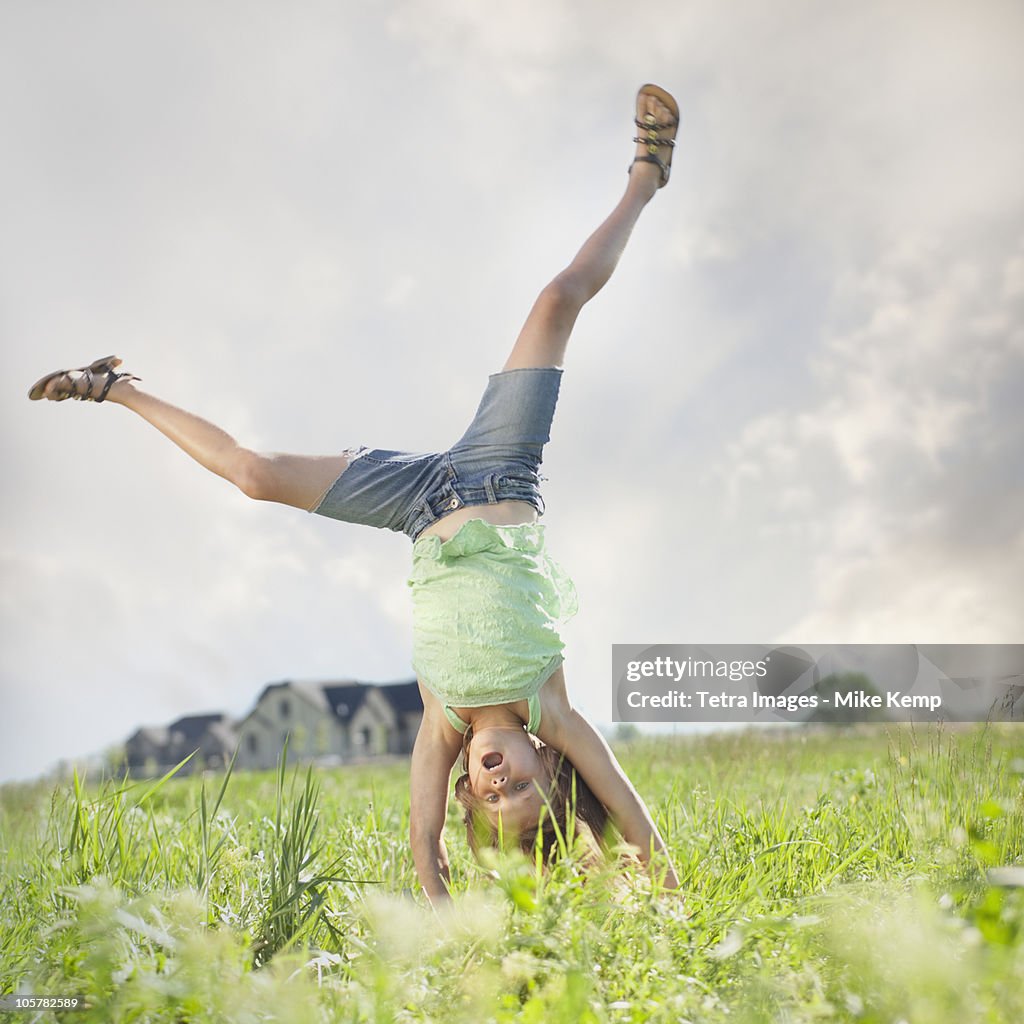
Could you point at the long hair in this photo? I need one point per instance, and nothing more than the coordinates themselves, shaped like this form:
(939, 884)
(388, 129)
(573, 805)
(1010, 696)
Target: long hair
(570, 809)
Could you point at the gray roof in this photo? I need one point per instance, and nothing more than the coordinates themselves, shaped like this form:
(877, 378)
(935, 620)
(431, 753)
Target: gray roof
(153, 733)
(192, 727)
(345, 699)
(403, 696)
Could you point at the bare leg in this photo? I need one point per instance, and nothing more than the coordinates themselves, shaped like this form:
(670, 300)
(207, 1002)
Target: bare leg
(543, 339)
(297, 480)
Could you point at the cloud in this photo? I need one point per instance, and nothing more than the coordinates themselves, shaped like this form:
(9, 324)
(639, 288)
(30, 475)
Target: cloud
(888, 473)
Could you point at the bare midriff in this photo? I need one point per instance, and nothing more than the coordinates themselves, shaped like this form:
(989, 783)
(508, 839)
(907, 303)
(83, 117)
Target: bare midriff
(471, 716)
(501, 513)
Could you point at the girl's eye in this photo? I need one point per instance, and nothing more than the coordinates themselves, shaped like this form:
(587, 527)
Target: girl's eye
(493, 798)
(521, 785)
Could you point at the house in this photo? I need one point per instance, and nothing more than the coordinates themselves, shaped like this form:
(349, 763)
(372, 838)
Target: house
(332, 722)
(153, 750)
(145, 750)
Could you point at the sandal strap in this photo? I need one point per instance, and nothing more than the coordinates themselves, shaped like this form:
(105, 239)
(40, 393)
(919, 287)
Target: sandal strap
(653, 140)
(112, 378)
(81, 386)
(671, 142)
(653, 126)
(86, 376)
(653, 158)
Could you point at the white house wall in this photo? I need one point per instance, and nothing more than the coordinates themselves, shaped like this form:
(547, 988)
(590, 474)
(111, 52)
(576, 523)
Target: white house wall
(372, 726)
(314, 732)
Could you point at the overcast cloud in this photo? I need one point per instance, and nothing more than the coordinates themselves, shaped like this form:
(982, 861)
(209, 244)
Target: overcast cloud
(794, 415)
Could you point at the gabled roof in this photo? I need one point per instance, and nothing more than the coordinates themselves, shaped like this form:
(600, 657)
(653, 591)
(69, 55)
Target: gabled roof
(345, 699)
(310, 692)
(341, 699)
(192, 727)
(402, 696)
(152, 733)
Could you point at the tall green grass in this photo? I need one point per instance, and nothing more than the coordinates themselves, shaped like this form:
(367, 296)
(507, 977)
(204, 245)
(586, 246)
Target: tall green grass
(829, 875)
(295, 895)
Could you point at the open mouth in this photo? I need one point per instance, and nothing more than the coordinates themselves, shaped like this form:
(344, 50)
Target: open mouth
(491, 760)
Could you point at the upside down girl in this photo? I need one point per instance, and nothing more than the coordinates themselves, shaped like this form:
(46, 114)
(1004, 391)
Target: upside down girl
(487, 598)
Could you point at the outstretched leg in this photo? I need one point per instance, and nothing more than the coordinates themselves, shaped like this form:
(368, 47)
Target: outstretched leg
(543, 339)
(298, 480)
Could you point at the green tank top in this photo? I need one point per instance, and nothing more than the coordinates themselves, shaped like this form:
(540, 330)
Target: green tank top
(487, 605)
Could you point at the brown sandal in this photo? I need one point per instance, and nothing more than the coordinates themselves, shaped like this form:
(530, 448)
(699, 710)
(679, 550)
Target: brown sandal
(651, 127)
(71, 386)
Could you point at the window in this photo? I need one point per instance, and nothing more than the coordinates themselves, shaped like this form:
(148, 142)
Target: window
(254, 743)
(285, 707)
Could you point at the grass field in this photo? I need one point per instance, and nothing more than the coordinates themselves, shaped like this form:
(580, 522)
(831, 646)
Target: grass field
(830, 875)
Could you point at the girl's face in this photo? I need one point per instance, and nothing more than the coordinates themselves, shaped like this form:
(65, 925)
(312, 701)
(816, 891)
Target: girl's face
(507, 777)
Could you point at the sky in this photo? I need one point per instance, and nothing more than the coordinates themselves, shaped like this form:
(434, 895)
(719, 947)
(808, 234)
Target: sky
(793, 416)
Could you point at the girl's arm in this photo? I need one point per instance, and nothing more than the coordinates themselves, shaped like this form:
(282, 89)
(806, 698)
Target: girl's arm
(575, 737)
(436, 749)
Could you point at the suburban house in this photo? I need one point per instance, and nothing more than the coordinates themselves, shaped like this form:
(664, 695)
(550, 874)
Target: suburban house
(152, 750)
(330, 723)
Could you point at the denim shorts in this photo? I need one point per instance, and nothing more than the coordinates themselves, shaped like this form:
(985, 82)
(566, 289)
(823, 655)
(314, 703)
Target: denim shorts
(497, 459)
